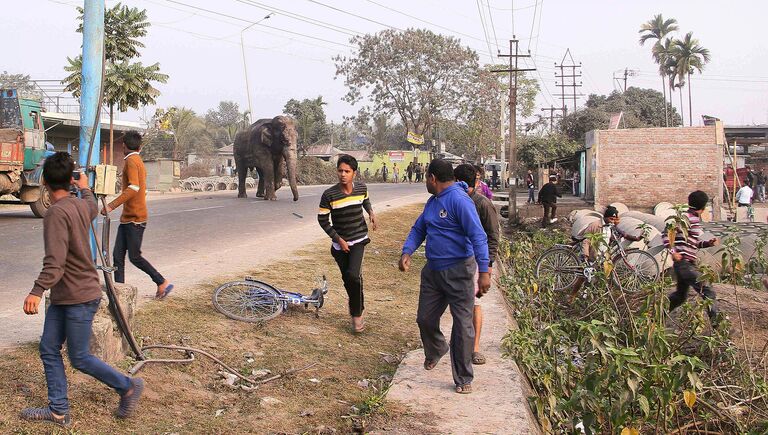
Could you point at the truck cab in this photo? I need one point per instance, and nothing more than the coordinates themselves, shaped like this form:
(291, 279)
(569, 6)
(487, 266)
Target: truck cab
(22, 152)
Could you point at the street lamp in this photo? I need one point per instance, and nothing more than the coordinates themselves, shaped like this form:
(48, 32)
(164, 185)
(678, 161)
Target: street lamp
(245, 67)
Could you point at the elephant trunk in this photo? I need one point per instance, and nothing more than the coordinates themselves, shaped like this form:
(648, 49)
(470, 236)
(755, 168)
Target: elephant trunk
(292, 169)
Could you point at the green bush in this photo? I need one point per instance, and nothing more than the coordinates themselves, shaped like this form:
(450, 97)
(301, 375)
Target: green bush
(614, 363)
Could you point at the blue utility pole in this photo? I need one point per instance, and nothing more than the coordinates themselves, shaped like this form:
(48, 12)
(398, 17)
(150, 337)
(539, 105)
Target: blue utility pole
(93, 59)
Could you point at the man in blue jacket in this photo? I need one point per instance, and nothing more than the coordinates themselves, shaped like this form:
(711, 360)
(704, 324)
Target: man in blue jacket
(457, 244)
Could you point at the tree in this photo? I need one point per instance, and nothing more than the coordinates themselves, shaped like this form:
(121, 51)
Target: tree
(310, 120)
(25, 87)
(641, 108)
(126, 85)
(188, 131)
(416, 74)
(534, 149)
(123, 26)
(656, 30)
(689, 56)
(225, 122)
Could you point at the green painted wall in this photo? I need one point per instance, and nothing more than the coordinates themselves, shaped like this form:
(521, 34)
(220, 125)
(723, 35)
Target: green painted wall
(378, 159)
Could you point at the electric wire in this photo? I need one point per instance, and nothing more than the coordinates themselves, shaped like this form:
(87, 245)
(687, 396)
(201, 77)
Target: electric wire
(485, 30)
(299, 17)
(354, 15)
(493, 27)
(533, 24)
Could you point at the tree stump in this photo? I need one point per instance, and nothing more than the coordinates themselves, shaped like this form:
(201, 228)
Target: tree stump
(107, 343)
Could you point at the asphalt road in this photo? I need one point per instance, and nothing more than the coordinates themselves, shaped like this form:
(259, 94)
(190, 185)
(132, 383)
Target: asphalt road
(181, 228)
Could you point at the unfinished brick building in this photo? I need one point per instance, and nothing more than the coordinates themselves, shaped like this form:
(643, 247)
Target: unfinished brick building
(644, 166)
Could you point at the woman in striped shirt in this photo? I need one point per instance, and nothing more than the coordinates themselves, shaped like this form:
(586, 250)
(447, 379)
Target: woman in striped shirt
(341, 217)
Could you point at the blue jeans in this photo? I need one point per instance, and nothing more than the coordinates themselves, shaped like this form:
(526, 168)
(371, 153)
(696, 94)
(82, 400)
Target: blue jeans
(72, 323)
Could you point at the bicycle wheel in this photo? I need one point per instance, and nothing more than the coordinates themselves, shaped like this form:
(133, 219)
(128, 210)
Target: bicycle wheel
(635, 270)
(248, 301)
(559, 266)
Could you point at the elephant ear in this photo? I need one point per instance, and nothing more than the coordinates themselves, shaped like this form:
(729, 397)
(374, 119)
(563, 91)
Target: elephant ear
(266, 135)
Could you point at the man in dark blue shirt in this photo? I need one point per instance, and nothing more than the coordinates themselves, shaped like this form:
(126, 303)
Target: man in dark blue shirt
(457, 245)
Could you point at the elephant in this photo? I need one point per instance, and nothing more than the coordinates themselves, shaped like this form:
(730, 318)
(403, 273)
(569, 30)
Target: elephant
(268, 146)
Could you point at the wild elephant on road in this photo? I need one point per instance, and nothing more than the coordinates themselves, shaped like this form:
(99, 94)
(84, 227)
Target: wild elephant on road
(266, 146)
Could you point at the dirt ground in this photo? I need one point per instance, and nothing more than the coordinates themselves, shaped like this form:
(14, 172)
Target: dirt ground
(347, 379)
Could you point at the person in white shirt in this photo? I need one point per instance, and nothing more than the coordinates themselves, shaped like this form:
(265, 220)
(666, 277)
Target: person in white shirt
(744, 196)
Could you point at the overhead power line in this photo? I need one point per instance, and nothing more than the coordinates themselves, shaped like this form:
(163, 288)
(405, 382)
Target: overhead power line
(299, 17)
(493, 27)
(353, 14)
(485, 29)
(260, 25)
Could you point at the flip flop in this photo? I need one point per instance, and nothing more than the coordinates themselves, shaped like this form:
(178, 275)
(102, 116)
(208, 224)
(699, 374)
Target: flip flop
(464, 389)
(478, 358)
(165, 292)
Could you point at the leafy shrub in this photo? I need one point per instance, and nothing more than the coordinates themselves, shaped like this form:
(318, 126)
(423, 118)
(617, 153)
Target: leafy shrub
(610, 363)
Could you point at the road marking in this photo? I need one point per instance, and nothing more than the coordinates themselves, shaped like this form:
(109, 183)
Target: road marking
(190, 209)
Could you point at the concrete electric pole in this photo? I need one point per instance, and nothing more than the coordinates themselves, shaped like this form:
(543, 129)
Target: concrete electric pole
(513, 69)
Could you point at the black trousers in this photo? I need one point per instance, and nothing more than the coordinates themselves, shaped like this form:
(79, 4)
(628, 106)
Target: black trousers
(688, 276)
(550, 208)
(129, 238)
(351, 267)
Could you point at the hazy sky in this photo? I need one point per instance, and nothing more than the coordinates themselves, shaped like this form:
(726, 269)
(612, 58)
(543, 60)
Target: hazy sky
(201, 50)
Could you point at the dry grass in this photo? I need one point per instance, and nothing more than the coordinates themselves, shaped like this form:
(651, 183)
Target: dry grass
(186, 398)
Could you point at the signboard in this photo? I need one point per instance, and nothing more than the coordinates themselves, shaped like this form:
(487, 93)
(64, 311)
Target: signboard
(416, 139)
(396, 156)
(615, 120)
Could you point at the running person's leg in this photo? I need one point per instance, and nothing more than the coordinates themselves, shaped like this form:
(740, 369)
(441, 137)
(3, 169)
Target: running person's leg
(118, 253)
(134, 238)
(477, 322)
(682, 271)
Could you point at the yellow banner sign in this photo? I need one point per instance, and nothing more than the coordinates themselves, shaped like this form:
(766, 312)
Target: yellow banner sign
(416, 139)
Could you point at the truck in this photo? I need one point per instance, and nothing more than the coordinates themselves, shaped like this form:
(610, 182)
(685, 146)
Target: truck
(22, 152)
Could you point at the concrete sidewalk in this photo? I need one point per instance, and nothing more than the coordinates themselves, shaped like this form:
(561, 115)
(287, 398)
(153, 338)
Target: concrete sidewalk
(498, 403)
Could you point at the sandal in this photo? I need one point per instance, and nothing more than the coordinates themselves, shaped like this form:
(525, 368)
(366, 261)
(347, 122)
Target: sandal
(478, 358)
(464, 389)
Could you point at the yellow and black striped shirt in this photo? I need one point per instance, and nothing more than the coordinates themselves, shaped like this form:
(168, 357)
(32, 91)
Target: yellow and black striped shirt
(341, 215)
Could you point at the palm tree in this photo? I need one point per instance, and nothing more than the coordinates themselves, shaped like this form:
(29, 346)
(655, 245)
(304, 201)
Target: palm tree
(657, 29)
(690, 57)
(126, 85)
(676, 81)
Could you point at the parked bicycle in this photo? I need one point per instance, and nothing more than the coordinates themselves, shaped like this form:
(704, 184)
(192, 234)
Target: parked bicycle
(562, 265)
(252, 300)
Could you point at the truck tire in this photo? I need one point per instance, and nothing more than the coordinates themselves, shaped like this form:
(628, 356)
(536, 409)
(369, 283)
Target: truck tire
(40, 207)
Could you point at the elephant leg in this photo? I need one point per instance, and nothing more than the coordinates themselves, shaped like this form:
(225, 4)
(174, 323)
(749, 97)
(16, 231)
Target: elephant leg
(269, 183)
(260, 189)
(242, 172)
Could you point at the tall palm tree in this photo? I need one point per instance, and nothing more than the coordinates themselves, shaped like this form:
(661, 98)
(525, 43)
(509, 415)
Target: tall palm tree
(690, 57)
(676, 81)
(657, 29)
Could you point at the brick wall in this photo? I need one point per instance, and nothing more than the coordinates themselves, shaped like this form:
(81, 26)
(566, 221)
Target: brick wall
(642, 167)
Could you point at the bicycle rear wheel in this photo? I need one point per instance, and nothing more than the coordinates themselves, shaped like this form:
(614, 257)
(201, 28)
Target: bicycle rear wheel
(560, 266)
(248, 301)
(635, 270)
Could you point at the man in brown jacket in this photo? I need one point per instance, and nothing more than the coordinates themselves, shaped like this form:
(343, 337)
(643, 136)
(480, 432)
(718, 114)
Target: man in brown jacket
(69, 272)
(133, 221)
(490, 222)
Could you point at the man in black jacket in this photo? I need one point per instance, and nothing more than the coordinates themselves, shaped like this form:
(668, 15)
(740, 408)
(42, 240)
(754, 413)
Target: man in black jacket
(548, 198)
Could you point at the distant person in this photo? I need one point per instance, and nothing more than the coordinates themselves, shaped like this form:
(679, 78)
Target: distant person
(341, 217)
(457, 246)
(686, 245)
(419, 170)
(576, 181)
(395, 173)
(744, 195)
(494, 177)
(133, 220)
(367, 174)
(529, 181)
(409, 172)
(761, 186)
(481, 187)
(751, 178)
(69, 272)
(490, 222)
(384, 172)
(548, 198)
